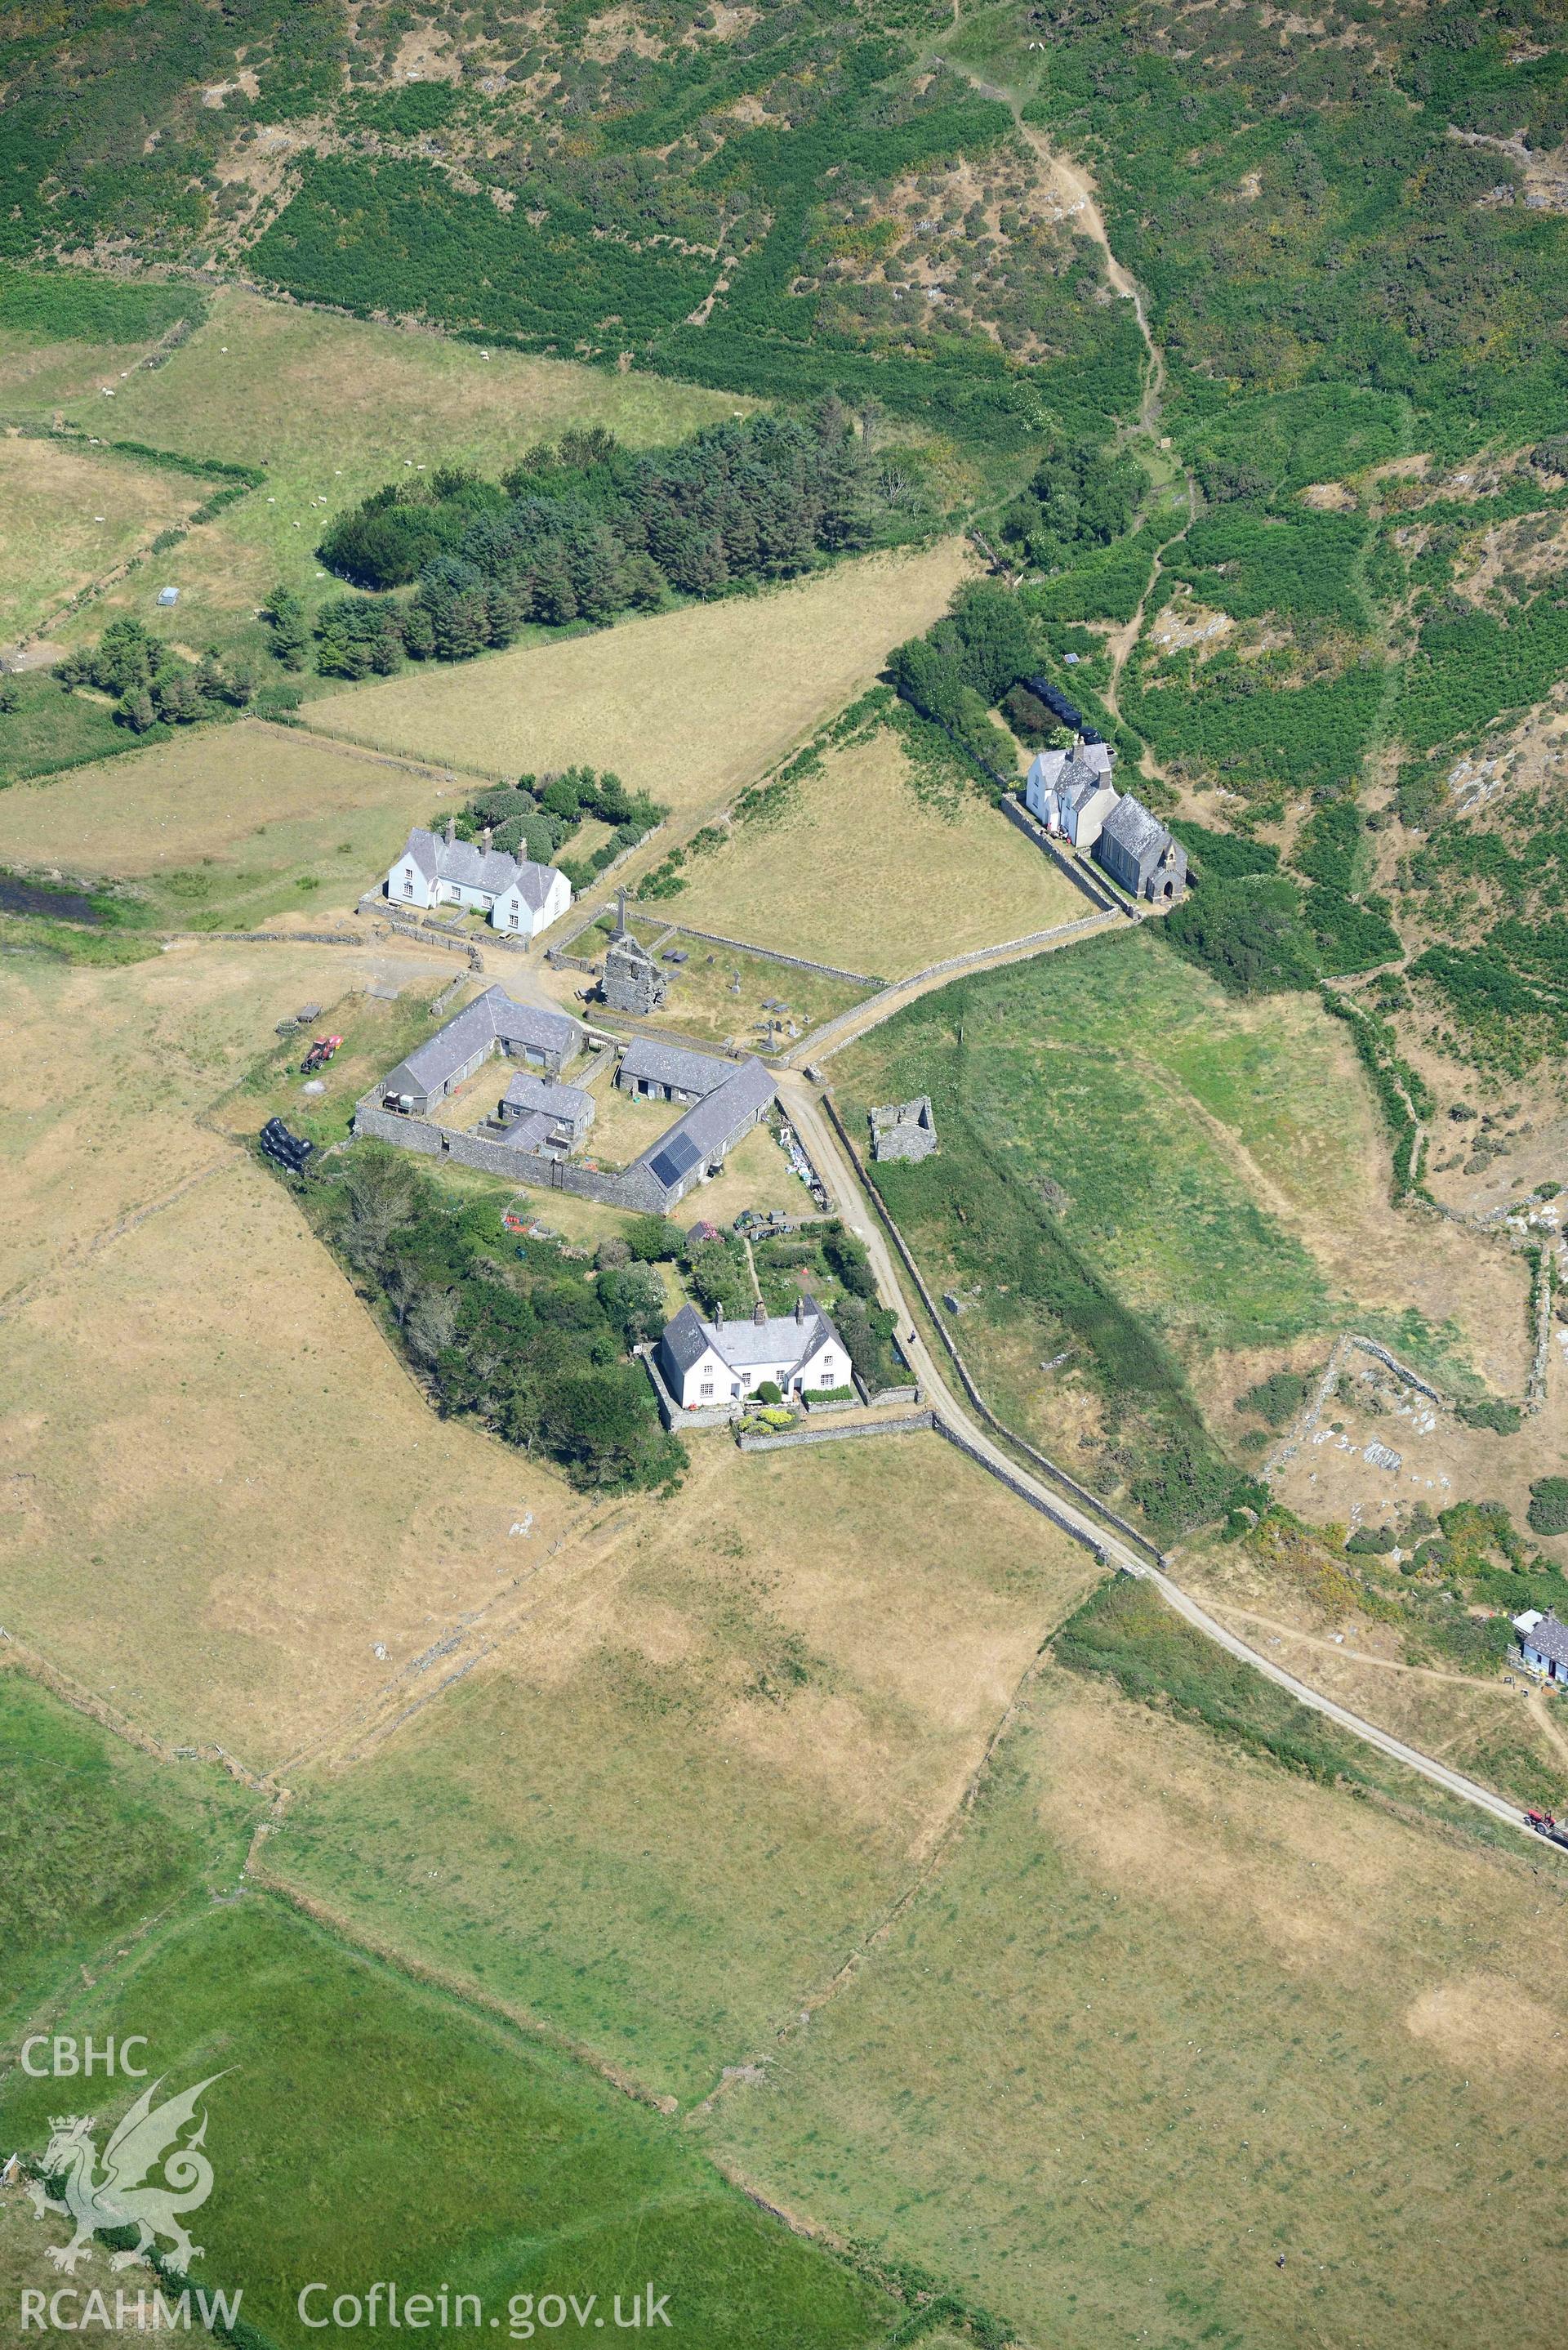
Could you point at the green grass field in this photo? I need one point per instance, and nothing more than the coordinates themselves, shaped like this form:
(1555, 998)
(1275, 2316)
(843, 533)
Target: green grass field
(362, 2128)
(712, 1757)
(332, 408)
(95, 1836)
(1170, 2013)
(49, 730)
(1216, 1166)
(69, 515)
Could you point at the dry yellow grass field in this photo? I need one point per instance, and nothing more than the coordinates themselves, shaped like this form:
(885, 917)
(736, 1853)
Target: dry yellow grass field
(227, 822)
(720, 1739)
(688, 705)
(1169, 2013)
(105, 1073)
(68, 516)
(863, 874)
(220, 1488)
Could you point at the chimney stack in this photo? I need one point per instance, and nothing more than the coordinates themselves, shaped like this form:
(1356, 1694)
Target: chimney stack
(620, 912)
(800, 1307)
(759, 1313)
(486, 837)
(718, 1317)
(450, 831)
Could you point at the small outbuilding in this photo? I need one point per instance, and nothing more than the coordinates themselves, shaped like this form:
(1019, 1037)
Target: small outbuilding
(540, 1112)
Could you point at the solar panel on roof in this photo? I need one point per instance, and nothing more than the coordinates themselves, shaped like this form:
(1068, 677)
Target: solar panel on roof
(677, 1159)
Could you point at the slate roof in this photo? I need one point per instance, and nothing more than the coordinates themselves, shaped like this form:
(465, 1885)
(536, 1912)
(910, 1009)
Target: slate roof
(671, 1064)
(685, 1338)
(1549, 1639)
(747, 1346)
(1079, 782)
(1074, 774)
(781, 1341)
(533, 883)
(1131, 826)
(490, 1017)
(470, 867)
(529, 1090)
(530, 1133)
(710, 1125)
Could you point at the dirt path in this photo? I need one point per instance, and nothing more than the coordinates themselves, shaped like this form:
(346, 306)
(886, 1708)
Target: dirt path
(1224, 1609)
(1075, 191)
(1541, 1714)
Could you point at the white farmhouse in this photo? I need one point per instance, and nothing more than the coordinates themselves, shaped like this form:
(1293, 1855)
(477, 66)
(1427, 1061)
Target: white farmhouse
(437, 869)
(709, 1365)
(1071, 792)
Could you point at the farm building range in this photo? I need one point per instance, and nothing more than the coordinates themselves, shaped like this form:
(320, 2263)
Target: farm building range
(540, 1121)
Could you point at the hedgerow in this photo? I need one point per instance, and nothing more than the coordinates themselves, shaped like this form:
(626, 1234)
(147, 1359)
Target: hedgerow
(518, 1335)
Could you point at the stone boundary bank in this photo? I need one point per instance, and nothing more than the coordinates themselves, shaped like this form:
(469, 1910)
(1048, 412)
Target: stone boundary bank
(826, 1040)
(1099, 893)
(1349, 1342)
(639, 1194)
(746, 946)
(910, 1423)
(1041, 1461)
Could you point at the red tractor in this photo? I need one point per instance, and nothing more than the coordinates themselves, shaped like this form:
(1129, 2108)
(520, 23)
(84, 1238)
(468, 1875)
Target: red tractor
(1545, 1825)
(320, 1052)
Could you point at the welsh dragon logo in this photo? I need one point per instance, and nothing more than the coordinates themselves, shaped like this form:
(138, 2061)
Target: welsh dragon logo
(120, 2196)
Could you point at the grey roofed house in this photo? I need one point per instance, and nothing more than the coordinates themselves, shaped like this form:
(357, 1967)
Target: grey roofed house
(1138, 850)
(669, 1071)
(1080, 779)
(1546, 1643)
(537, 1112)
(525, 1031)
(470, 867)
(710, 1129)
(779, 1338)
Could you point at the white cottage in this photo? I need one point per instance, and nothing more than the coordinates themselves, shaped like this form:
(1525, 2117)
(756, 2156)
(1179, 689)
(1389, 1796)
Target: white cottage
(708, 1365)
(1071, 792)
(438, 870)
(1543, 1645)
